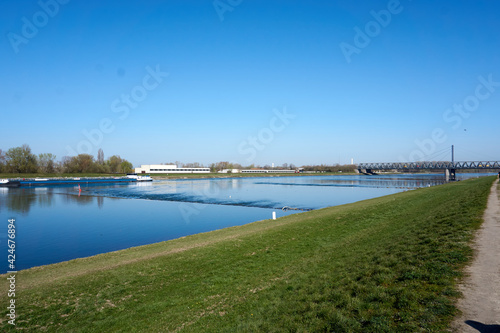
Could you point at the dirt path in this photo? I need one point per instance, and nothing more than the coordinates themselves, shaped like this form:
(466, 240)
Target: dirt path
(480, 304)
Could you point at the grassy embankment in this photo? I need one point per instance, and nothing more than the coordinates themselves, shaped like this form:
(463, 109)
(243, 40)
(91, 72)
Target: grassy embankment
(382, 265)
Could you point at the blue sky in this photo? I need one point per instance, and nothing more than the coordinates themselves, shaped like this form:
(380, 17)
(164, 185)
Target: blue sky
(252, 81)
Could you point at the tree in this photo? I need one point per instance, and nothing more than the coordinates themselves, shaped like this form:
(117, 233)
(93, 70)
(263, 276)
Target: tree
(117, 164)
(2, 160)
(126, 167)
(46, 163)
(85, 162)
(58, 167)
(114, 163)
(21, 160)
(100, 156)
(193, 165)
(223, 165)
(79, 164)
(66, 164)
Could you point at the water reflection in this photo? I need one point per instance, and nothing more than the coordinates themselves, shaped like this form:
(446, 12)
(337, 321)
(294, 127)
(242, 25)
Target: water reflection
(17, 201)
(20, 200)
(262, 192)
(44, 197)
(272, 192)
(369, 182)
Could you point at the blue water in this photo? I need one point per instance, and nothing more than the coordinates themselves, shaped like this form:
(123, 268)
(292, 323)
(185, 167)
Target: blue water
(55, 224)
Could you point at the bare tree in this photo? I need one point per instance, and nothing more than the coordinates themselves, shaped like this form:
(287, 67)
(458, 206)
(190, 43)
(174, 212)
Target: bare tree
(223, 165)
(193, 165)
(46, 163)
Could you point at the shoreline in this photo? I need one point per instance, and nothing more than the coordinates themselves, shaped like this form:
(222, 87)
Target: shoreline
(170, 176)
(210, 175)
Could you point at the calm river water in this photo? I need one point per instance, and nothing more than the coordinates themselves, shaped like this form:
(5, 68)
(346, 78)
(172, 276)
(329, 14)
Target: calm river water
(55, 224)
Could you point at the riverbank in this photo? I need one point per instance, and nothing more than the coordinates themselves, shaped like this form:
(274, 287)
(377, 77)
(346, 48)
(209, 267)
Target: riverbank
(385, 264)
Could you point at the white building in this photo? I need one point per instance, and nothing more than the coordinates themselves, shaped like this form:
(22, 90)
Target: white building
(169, 168)
(229, 171)
(269, 171)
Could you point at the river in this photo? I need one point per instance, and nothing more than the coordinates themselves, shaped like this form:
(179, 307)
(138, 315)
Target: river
(54, 224)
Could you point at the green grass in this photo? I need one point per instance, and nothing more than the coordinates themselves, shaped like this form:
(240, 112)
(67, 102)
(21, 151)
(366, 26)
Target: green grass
(389, 264)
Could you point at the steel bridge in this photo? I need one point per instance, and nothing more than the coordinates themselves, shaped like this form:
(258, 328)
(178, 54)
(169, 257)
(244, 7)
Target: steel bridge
(449, 167)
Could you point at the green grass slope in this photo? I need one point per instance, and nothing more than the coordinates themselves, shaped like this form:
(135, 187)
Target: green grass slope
(383, 265)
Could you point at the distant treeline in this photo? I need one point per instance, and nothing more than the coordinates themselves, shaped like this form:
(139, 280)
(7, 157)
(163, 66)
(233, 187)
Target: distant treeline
(215, 167)
(22, 160)
(286, 166)
(218, 166)
(331, 168)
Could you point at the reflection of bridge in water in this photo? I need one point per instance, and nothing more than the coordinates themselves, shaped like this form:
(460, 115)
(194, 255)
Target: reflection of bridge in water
(449, 168)
(385, 182)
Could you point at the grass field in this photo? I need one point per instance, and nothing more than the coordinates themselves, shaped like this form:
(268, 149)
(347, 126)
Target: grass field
(382, 265)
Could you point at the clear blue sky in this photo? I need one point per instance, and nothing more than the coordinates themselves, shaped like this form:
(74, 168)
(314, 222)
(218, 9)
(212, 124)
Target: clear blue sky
(364, 80)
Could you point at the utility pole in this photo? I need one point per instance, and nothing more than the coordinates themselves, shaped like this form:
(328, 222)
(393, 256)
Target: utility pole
(450, 171)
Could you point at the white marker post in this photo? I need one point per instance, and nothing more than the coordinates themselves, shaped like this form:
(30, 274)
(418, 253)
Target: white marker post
(274, 215)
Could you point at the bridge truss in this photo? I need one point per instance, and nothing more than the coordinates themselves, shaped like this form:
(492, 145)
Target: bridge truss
(449, 168)
(487, 165)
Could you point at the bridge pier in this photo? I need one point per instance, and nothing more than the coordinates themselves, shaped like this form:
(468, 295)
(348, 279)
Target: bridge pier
(366, 171)
(450, 175)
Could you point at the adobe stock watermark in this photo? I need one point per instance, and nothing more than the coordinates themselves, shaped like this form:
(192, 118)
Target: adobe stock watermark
(265, 136)
(120, 106)
(363, 37)
(223, 6)
(31, 26)
(454, 116)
